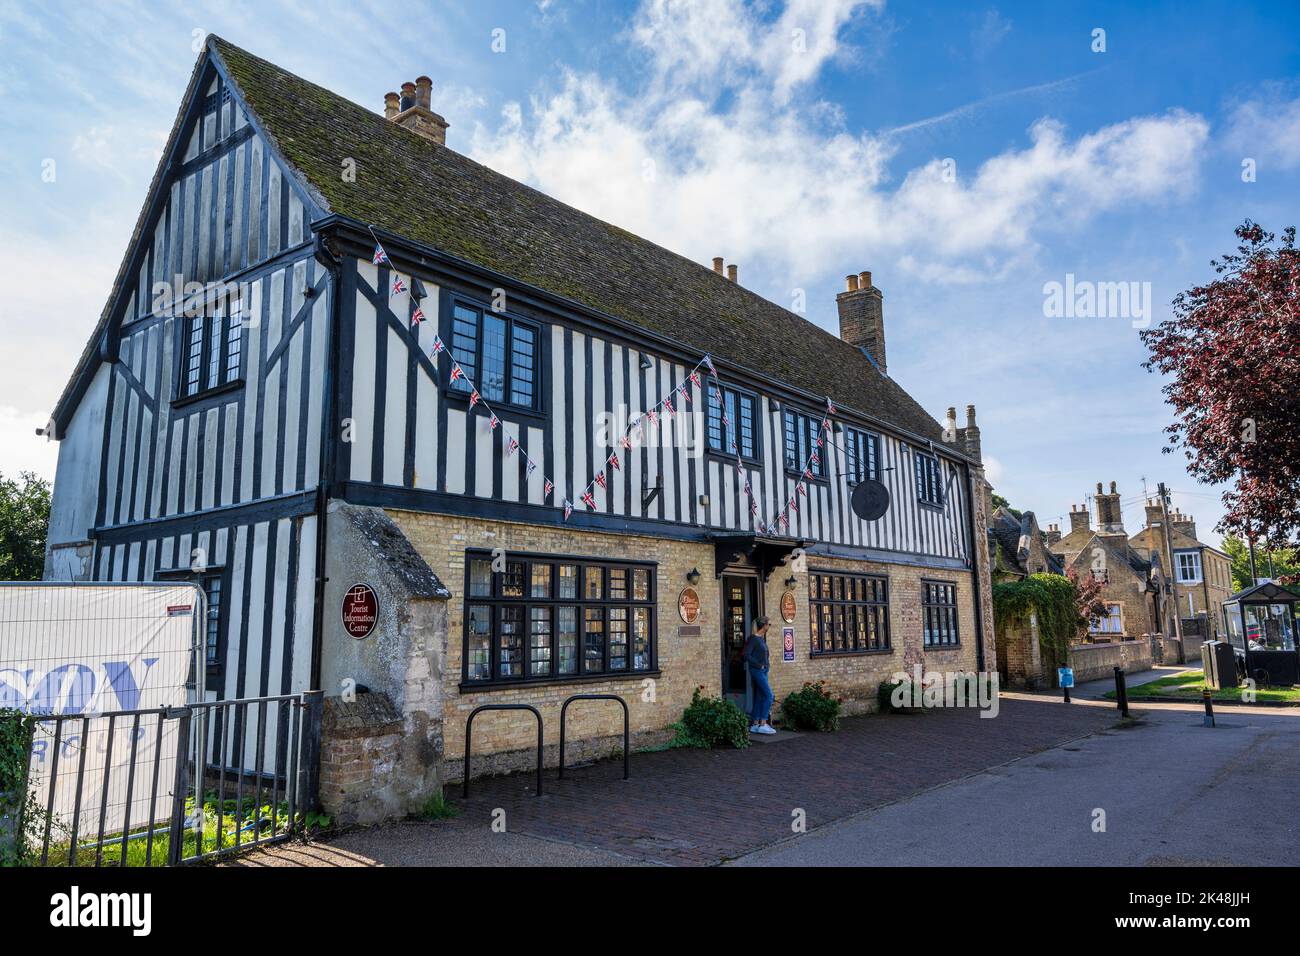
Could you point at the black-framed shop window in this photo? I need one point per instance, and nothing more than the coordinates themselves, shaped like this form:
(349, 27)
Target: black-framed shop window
(861, 455)
(849, 612)
(800, 443)
(501, 354)
(939, 609)
(929, 481)
(741, 426)
(550, 617)
(212, 355)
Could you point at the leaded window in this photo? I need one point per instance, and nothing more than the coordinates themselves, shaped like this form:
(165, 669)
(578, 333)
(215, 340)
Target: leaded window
(849, 612)
(499, 354)
(536, 617)
(939, 610)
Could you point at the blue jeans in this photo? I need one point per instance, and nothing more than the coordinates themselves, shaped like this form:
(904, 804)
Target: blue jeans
(762, 695)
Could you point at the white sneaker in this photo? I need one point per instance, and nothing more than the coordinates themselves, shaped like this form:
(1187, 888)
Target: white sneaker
(756, 728)
(766, 729)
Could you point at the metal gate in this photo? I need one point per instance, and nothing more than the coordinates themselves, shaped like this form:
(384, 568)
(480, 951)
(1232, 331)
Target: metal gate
(170, 785)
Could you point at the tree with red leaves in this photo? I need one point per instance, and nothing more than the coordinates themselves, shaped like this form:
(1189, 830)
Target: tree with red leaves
(1232, 351)
(1088, 598)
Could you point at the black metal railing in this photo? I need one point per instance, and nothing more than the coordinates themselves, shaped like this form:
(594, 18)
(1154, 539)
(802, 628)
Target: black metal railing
(469, 729)
(626, 722)
(221, 777)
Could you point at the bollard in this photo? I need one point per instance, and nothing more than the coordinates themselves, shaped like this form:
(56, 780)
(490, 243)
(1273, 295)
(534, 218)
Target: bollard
(1121, 691)
(1208, 696)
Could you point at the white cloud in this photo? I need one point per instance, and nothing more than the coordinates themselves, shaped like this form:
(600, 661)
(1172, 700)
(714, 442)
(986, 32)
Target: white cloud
(1267, 129)
(782, 185)
(21, 449)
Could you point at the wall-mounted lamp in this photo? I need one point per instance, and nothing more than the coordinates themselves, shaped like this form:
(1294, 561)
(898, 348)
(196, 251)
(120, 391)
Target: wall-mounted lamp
(791, 582)
(645, 361)
(693, 576)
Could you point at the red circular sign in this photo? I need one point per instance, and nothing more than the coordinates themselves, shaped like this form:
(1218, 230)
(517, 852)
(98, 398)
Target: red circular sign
(360, 610)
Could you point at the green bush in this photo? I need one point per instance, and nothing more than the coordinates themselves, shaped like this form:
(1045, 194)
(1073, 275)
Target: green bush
(812, 708)
(711, 722)
(885, 696)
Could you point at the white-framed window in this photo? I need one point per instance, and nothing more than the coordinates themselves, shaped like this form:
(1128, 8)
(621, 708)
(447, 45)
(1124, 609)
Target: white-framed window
(1112, 623)
(1189, 566)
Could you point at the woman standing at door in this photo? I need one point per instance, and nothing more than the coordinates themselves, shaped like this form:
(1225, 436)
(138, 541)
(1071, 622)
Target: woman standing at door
(757, 660)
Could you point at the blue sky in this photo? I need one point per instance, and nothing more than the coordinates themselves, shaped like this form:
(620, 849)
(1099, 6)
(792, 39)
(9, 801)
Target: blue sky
(966, 154)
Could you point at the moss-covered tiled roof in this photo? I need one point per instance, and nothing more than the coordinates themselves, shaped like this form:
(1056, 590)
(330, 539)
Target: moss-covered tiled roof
(433, 195)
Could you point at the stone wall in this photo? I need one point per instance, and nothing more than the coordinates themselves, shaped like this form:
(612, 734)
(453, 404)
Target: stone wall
(1098, 661)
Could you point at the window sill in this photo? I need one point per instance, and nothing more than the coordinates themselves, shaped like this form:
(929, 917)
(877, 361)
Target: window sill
(712, 454)
(929, 504)
(483, 686)
(794, 475)
(459, 398)
(941, 647)
(873, 652)
(231, 386)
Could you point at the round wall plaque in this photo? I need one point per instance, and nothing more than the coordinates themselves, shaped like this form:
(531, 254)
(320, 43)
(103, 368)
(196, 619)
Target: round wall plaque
(870, 500)
(360, 610)
(787, 607)
(688, 605)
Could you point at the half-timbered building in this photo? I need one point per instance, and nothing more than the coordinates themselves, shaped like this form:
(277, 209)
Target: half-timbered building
(584, 464)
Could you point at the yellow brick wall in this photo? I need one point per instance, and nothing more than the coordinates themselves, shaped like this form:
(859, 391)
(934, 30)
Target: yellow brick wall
(685, 662)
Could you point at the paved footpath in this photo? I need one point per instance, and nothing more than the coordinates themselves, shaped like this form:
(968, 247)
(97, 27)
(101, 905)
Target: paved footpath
(1173, 791)
(691, 807)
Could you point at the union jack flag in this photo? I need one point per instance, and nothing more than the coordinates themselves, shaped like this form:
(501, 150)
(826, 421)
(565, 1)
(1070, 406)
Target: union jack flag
(815, 459)
(398, 287)
(654, 418)
(512, 446)
(417, 316)
(457, 372)
(493, 422)
(600, 478)
(695, 377)
(547, 488)
(830, 406)
(473, 398)
(753, 507)
(794, 504)
(588, 500)
(438, 347)
(686, 395)
(532, 466)
(568, 508)
(626, 442)
(380, 257)
(613, 460)
(668, 405)
(708, 360)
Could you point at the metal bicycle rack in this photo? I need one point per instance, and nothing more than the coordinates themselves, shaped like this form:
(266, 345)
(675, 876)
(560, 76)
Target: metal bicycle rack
(469, 728)
(564, 709)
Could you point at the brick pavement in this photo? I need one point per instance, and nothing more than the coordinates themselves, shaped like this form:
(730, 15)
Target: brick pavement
(691, 807)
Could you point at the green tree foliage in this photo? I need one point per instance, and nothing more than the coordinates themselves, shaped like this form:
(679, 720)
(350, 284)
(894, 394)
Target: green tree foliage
(1285, 563)
(1053, 600)
(24, 521)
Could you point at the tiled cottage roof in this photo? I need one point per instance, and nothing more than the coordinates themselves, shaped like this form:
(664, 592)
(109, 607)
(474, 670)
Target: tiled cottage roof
(433, 195)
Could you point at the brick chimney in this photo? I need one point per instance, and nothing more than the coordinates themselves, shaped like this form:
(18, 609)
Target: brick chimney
(1110, 518)
(1183, 524)
(862, 318)
(1080, 520)
(412, 110)
(1053, 534)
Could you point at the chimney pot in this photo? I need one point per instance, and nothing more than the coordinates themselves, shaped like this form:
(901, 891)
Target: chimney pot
(423, 91)
(390, 105)
(851, 283)
(717, 264)
(1112, 487)
(408, 96)
(732, 272)
(864, 280)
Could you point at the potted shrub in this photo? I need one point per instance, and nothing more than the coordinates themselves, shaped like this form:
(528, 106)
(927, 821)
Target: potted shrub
(812, 707)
